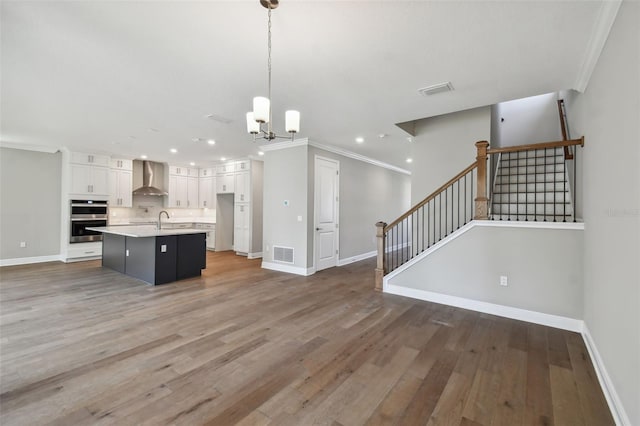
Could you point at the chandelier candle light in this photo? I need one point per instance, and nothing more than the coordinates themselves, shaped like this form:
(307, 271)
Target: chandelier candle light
(262, 106)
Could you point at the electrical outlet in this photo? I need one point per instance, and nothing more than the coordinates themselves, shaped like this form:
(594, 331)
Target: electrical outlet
(23, 244)
(127, 253)
(504, 281)
(163, 248)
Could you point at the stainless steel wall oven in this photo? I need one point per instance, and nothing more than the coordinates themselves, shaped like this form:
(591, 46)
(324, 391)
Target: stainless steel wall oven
(85, 214)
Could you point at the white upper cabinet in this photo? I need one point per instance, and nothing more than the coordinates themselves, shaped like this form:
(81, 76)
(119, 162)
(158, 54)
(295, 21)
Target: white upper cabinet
(90, 159)
(207, 192)
(89, 180)
(121, 164)
(121, 188)
(242, 187)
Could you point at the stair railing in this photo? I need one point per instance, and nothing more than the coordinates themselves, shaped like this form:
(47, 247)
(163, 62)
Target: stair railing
(448, 208)
(444, 211)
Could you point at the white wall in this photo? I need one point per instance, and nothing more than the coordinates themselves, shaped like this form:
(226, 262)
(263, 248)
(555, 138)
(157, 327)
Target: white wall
(608, 114)
(543, 267)
(525, 121)
(444, 146)
(29, 203)
(285, 178)
(368, 194)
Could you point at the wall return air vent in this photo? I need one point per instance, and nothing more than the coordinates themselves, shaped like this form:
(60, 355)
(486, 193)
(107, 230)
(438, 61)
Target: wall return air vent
(436, 88)
(283, 254)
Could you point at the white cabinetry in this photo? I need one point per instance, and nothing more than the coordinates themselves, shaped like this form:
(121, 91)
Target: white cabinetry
(242, 187)
(210, 228)
(241, 222)
(207, 192)
(225, 183)
(192, 192)
(89, 180)
(183, 187)
(121, 183)
(90, 159)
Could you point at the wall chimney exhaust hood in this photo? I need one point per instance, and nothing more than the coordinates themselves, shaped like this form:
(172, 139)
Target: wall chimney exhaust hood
(147, 187)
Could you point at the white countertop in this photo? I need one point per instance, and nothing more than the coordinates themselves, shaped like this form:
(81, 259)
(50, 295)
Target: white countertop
(143, 231)
(174, 220)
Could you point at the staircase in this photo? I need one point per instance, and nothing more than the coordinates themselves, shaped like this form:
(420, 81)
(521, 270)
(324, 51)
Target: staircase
(532, 185)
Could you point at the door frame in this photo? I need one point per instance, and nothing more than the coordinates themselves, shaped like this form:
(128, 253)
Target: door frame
(315, 207)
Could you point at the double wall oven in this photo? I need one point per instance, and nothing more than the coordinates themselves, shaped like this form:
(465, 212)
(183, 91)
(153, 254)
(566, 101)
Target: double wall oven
(86, 214)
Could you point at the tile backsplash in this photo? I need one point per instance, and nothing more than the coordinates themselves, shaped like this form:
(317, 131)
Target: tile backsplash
(148, 207)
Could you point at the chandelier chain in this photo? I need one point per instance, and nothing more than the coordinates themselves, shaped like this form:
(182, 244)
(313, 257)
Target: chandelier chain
(269, 67)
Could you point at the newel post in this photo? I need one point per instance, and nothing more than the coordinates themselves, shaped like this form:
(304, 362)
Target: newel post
(380, 260)
(481, 201)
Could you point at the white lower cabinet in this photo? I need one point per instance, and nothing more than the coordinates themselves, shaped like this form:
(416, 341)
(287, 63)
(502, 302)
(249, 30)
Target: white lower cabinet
(211, 234)
(84, 251)
(241, 228)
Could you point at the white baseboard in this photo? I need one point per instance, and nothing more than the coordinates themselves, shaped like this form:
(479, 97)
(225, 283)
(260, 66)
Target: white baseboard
(346, 261)
(29, 260)
(256, 255)
(615, 405)
(288, 268)
(549, 320)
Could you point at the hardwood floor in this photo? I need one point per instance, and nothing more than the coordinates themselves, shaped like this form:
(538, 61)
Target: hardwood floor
(241, 345)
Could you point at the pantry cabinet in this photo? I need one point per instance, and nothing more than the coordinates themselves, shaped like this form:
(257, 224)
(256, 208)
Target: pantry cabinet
(183, 187)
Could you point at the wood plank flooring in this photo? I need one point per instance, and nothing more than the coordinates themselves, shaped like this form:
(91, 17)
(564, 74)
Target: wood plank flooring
(83, 345)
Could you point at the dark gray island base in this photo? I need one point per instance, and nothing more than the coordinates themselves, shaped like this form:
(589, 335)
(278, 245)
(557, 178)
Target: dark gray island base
(155, 259)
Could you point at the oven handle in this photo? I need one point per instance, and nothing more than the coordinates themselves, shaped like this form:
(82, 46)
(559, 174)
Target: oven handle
(88, 219)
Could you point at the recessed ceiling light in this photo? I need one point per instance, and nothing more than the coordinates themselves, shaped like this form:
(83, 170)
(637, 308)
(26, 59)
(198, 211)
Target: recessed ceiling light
(192, 163)
(223, 159)
(409, 160)
(359, 139)
(144, 157)
(260, 153)
(173, 150)
(410, 139)
(382, 135)
(211, 142)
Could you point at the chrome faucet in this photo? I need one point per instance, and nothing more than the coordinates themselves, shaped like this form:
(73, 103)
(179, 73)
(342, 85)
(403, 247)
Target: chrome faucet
(160, 217)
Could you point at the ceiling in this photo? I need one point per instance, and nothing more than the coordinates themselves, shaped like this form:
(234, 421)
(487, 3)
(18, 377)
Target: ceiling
(132, 78)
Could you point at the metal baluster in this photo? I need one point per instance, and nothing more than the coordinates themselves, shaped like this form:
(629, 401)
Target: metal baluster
(575, 182)
(555, 213)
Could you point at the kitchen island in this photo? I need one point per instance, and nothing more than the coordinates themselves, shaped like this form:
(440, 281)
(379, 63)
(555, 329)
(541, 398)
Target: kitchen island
(152, 255)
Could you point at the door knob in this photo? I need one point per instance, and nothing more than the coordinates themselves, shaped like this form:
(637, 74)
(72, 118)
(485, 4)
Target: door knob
(317, 229)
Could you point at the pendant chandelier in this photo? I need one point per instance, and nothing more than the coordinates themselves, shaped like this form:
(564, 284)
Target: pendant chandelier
(261, 114)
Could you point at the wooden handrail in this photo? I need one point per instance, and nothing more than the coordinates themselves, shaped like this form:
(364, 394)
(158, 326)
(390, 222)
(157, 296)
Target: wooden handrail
(431, 197)
(535, 146)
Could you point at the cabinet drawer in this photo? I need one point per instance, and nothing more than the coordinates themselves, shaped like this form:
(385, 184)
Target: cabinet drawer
(84, 250)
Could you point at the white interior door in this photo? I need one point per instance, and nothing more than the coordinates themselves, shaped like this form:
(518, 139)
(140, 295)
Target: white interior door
(326, 213)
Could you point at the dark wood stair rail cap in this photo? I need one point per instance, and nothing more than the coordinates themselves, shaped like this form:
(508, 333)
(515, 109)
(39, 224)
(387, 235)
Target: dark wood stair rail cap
(534, 146)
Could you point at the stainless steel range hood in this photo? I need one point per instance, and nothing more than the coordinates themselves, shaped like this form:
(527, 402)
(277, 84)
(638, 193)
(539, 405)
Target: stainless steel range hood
(148, 187)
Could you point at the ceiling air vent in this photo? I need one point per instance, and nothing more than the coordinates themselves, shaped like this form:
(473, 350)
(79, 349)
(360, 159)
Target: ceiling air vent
(283, 254)
(436, 88)
(219, 118)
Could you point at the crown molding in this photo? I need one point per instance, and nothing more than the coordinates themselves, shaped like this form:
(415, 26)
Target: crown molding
(335, 150)
(284, 145)
(606, 17)
(29, 147)
(349, 154)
